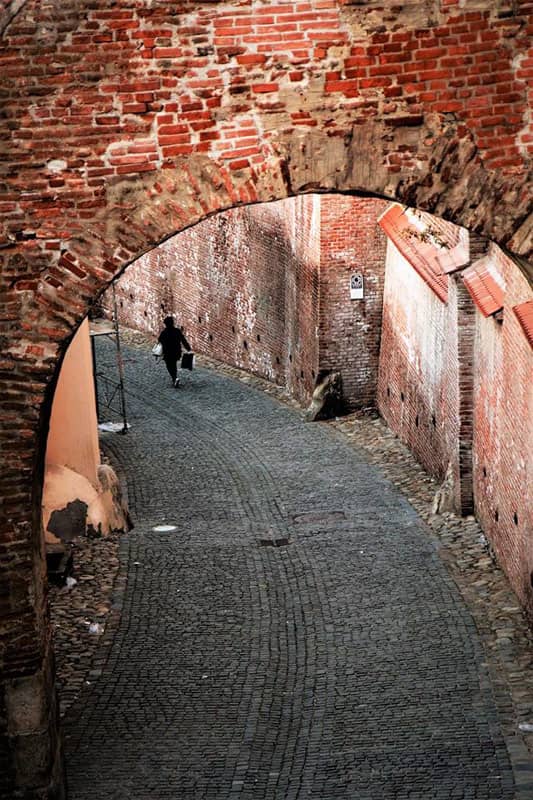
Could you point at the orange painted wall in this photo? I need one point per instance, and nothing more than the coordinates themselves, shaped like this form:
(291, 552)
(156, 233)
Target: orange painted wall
(73, 435)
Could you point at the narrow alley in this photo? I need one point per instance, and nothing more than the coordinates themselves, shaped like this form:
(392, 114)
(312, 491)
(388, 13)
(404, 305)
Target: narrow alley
(294, 635)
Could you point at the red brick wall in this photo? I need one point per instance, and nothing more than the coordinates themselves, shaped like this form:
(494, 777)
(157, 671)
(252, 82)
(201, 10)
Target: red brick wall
(162, 120)
(244, 286)
(503, 431)
(466, 383)
(266, 288)
(350, 330)
(465, 325)
(417, 386)
(302, 294)
(125, 123)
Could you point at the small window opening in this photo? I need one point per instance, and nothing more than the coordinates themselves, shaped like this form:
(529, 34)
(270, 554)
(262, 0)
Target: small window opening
(496, 515)
(258, 338)
(402, 396)
(515, 518)
(416, 420)
(245, 344)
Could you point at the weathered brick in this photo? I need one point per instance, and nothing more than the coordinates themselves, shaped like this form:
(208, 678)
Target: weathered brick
(75, 87)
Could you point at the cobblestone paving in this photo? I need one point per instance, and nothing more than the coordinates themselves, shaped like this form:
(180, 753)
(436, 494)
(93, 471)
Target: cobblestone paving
(295, 636)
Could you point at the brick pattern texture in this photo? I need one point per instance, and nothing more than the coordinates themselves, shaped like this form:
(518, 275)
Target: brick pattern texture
(245, 287)
(350, 330)
(456, 388)
(503, 431)
(125, 123)
(267, 288)
(417, 388)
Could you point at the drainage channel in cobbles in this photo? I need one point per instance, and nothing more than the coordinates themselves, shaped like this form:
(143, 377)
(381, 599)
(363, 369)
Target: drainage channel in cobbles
(296, 636)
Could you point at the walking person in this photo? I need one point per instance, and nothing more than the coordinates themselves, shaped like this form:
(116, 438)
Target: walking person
(171, 339)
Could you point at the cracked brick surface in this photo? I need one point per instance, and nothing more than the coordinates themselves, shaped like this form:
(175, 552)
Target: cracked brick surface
(343, 664)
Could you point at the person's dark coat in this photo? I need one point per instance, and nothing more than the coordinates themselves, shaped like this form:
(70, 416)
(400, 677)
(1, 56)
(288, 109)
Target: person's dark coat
(172, 339)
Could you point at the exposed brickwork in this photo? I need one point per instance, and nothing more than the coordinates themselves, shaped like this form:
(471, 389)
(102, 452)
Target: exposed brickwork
(418, 385)
(503, 432)
(405, 230)
(168, 120)
(465, 380)
(8, 9)
(244, 286)
(267, 288)
(350, 330)
(465, 310)
(124, 124)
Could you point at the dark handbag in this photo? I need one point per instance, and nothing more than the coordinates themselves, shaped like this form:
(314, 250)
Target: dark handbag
(187, 361)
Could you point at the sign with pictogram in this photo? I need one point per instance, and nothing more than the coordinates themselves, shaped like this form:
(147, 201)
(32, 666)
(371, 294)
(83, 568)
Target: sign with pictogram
(357, 288)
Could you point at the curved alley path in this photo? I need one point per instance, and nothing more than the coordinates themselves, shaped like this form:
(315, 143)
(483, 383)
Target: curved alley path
(296, 635)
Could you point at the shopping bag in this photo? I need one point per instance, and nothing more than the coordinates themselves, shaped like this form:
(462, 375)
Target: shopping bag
(157, 350)
(187, 361)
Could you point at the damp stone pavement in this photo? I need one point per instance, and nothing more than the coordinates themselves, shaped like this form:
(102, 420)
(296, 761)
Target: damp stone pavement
(300, 631)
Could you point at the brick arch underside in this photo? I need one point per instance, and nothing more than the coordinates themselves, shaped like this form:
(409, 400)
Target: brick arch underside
(125, 125)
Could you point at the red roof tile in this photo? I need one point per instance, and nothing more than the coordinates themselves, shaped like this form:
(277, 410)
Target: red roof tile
(485, 292)
(422, 255)
(454, 254)
(524, 312)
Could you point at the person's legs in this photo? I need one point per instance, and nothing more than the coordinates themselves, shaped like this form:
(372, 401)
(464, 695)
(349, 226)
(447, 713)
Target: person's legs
(172, 367)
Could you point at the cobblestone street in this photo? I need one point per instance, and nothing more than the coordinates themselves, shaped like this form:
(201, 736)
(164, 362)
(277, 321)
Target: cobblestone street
(295, 635)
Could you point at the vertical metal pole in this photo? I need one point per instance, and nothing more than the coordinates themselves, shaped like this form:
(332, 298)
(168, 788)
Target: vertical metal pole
(119, 362)
(93, 350)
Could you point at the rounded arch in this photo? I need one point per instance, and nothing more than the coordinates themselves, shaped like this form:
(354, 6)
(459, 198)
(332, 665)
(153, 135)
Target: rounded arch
(177, 116)
(137, 213)
(127, 124)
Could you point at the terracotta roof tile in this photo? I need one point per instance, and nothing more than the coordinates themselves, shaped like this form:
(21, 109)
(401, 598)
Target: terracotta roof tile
(524, 312)
(422, 255)
(455, 253)
(486, 293)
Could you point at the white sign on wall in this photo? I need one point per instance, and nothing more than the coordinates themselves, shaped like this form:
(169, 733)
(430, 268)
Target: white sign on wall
(357, 288)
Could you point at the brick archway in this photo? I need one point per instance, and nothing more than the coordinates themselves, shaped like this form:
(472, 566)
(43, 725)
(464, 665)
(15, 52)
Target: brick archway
(124, 125)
